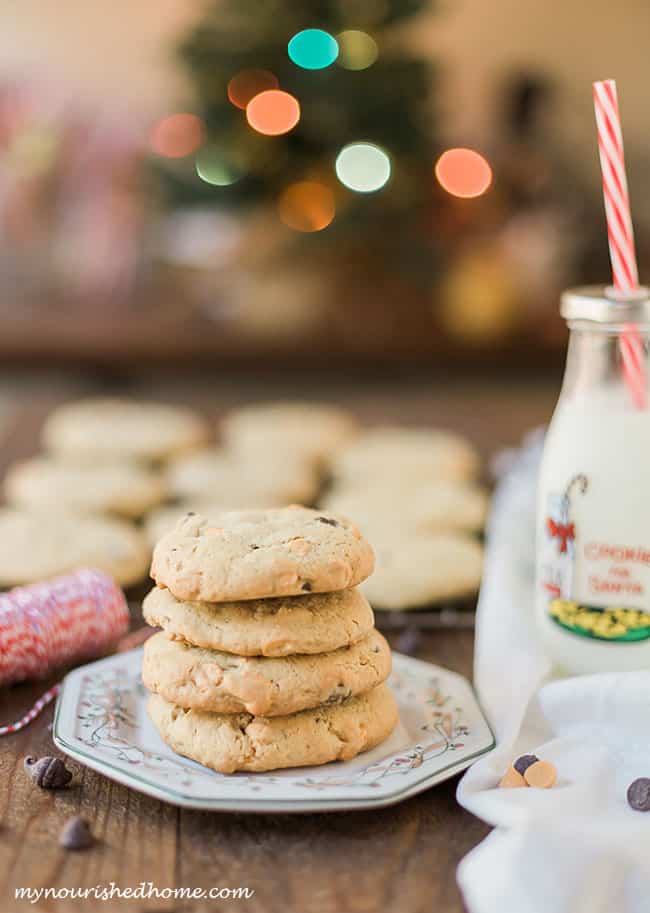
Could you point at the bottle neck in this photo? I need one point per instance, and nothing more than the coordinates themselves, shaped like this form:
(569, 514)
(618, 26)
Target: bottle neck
(594, 360)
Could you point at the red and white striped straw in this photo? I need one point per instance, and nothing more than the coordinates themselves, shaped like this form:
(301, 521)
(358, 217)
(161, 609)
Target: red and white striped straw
(619, 230)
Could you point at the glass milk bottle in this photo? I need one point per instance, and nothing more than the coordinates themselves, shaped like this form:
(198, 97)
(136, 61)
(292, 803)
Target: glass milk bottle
(593, 513)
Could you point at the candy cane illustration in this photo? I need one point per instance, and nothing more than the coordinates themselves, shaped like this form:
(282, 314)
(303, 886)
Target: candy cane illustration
(563, 529)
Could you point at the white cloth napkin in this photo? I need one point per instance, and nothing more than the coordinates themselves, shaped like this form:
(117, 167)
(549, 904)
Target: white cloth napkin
(579, 847)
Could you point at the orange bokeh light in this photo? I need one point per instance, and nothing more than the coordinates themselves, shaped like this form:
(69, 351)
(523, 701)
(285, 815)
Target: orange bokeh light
(307, 206)
(463, 173)
(177, 135)
(273, 112)
(249, 83)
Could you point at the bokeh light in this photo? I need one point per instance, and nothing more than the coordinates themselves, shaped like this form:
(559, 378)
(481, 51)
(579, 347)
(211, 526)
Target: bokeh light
(177, 135)
(273, 112)
(249, 83)
(357, 50)
(213, 167)
(463, 173)
(313, 49)
(307, 206)
(363, 167)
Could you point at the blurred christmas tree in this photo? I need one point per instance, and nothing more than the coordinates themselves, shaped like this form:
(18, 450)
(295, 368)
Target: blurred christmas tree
(310, 106)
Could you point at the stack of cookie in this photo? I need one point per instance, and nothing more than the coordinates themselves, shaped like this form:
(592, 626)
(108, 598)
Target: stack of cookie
(75, 505)
(414, 493)
(268, 656)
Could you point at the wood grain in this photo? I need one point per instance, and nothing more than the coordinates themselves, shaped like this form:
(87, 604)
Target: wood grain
(400, 858)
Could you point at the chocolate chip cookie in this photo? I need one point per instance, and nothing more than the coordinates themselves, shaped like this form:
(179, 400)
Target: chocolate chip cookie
(223, 683)
(264, 627)
(241, 741)
(260, 554)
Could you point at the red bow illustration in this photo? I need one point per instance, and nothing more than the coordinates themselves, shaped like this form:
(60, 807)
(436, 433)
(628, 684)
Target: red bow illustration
(561, 531)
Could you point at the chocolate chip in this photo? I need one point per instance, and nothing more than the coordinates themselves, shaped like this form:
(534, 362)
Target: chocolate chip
(328, 520)
(638, 794)
(47, 772)
(191, 513)
(522, 764)
(306, 587)
(75, 834)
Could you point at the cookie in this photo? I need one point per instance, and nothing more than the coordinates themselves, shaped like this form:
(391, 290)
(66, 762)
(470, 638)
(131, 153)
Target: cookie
(240, 741)
(41, 544)
(425, 508)
(256, 554)
(311, 430)
(422, 571)
(162, 520)
(237, 483)
(123, 488)
(392, 454)
(264, 686)
(264, 627)
(112, 428)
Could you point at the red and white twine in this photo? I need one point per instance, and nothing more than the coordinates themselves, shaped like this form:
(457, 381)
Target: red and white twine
(57, 623)
(40, 705)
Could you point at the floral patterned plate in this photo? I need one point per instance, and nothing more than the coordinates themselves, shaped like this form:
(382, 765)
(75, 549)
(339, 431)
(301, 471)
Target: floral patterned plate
(101, 721)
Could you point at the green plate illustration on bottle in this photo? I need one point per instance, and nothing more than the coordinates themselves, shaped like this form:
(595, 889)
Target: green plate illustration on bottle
(610, 624)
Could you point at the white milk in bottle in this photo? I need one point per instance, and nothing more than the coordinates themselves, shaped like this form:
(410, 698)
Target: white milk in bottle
(593, 517)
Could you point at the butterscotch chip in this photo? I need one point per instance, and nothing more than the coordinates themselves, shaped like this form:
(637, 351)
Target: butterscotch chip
(541, 774)
(511, 779)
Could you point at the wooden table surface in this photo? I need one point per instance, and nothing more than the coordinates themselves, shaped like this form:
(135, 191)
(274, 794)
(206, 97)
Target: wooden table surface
(401, 858)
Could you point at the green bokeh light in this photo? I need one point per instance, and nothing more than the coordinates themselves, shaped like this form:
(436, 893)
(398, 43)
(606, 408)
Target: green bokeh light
(213, 168)
(313, 49)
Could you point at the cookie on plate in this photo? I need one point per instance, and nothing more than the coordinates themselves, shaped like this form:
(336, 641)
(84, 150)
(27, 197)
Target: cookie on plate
(400, 454)
(268, 479)
(418, 572)
(231, 742)
(41, 544)
(264, 627)
(122, 488)
(162, 520)
(311, 430)
(223, 683)
(420, 508)
(100, 428)
(256, 554)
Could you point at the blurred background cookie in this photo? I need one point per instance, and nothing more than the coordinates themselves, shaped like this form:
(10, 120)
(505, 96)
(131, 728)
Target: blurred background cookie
(37, 545)
(101, 428)
(390, 454)
(260, 478)
(418, 507)
(422, 571)
(126, 489)
(311, 430)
